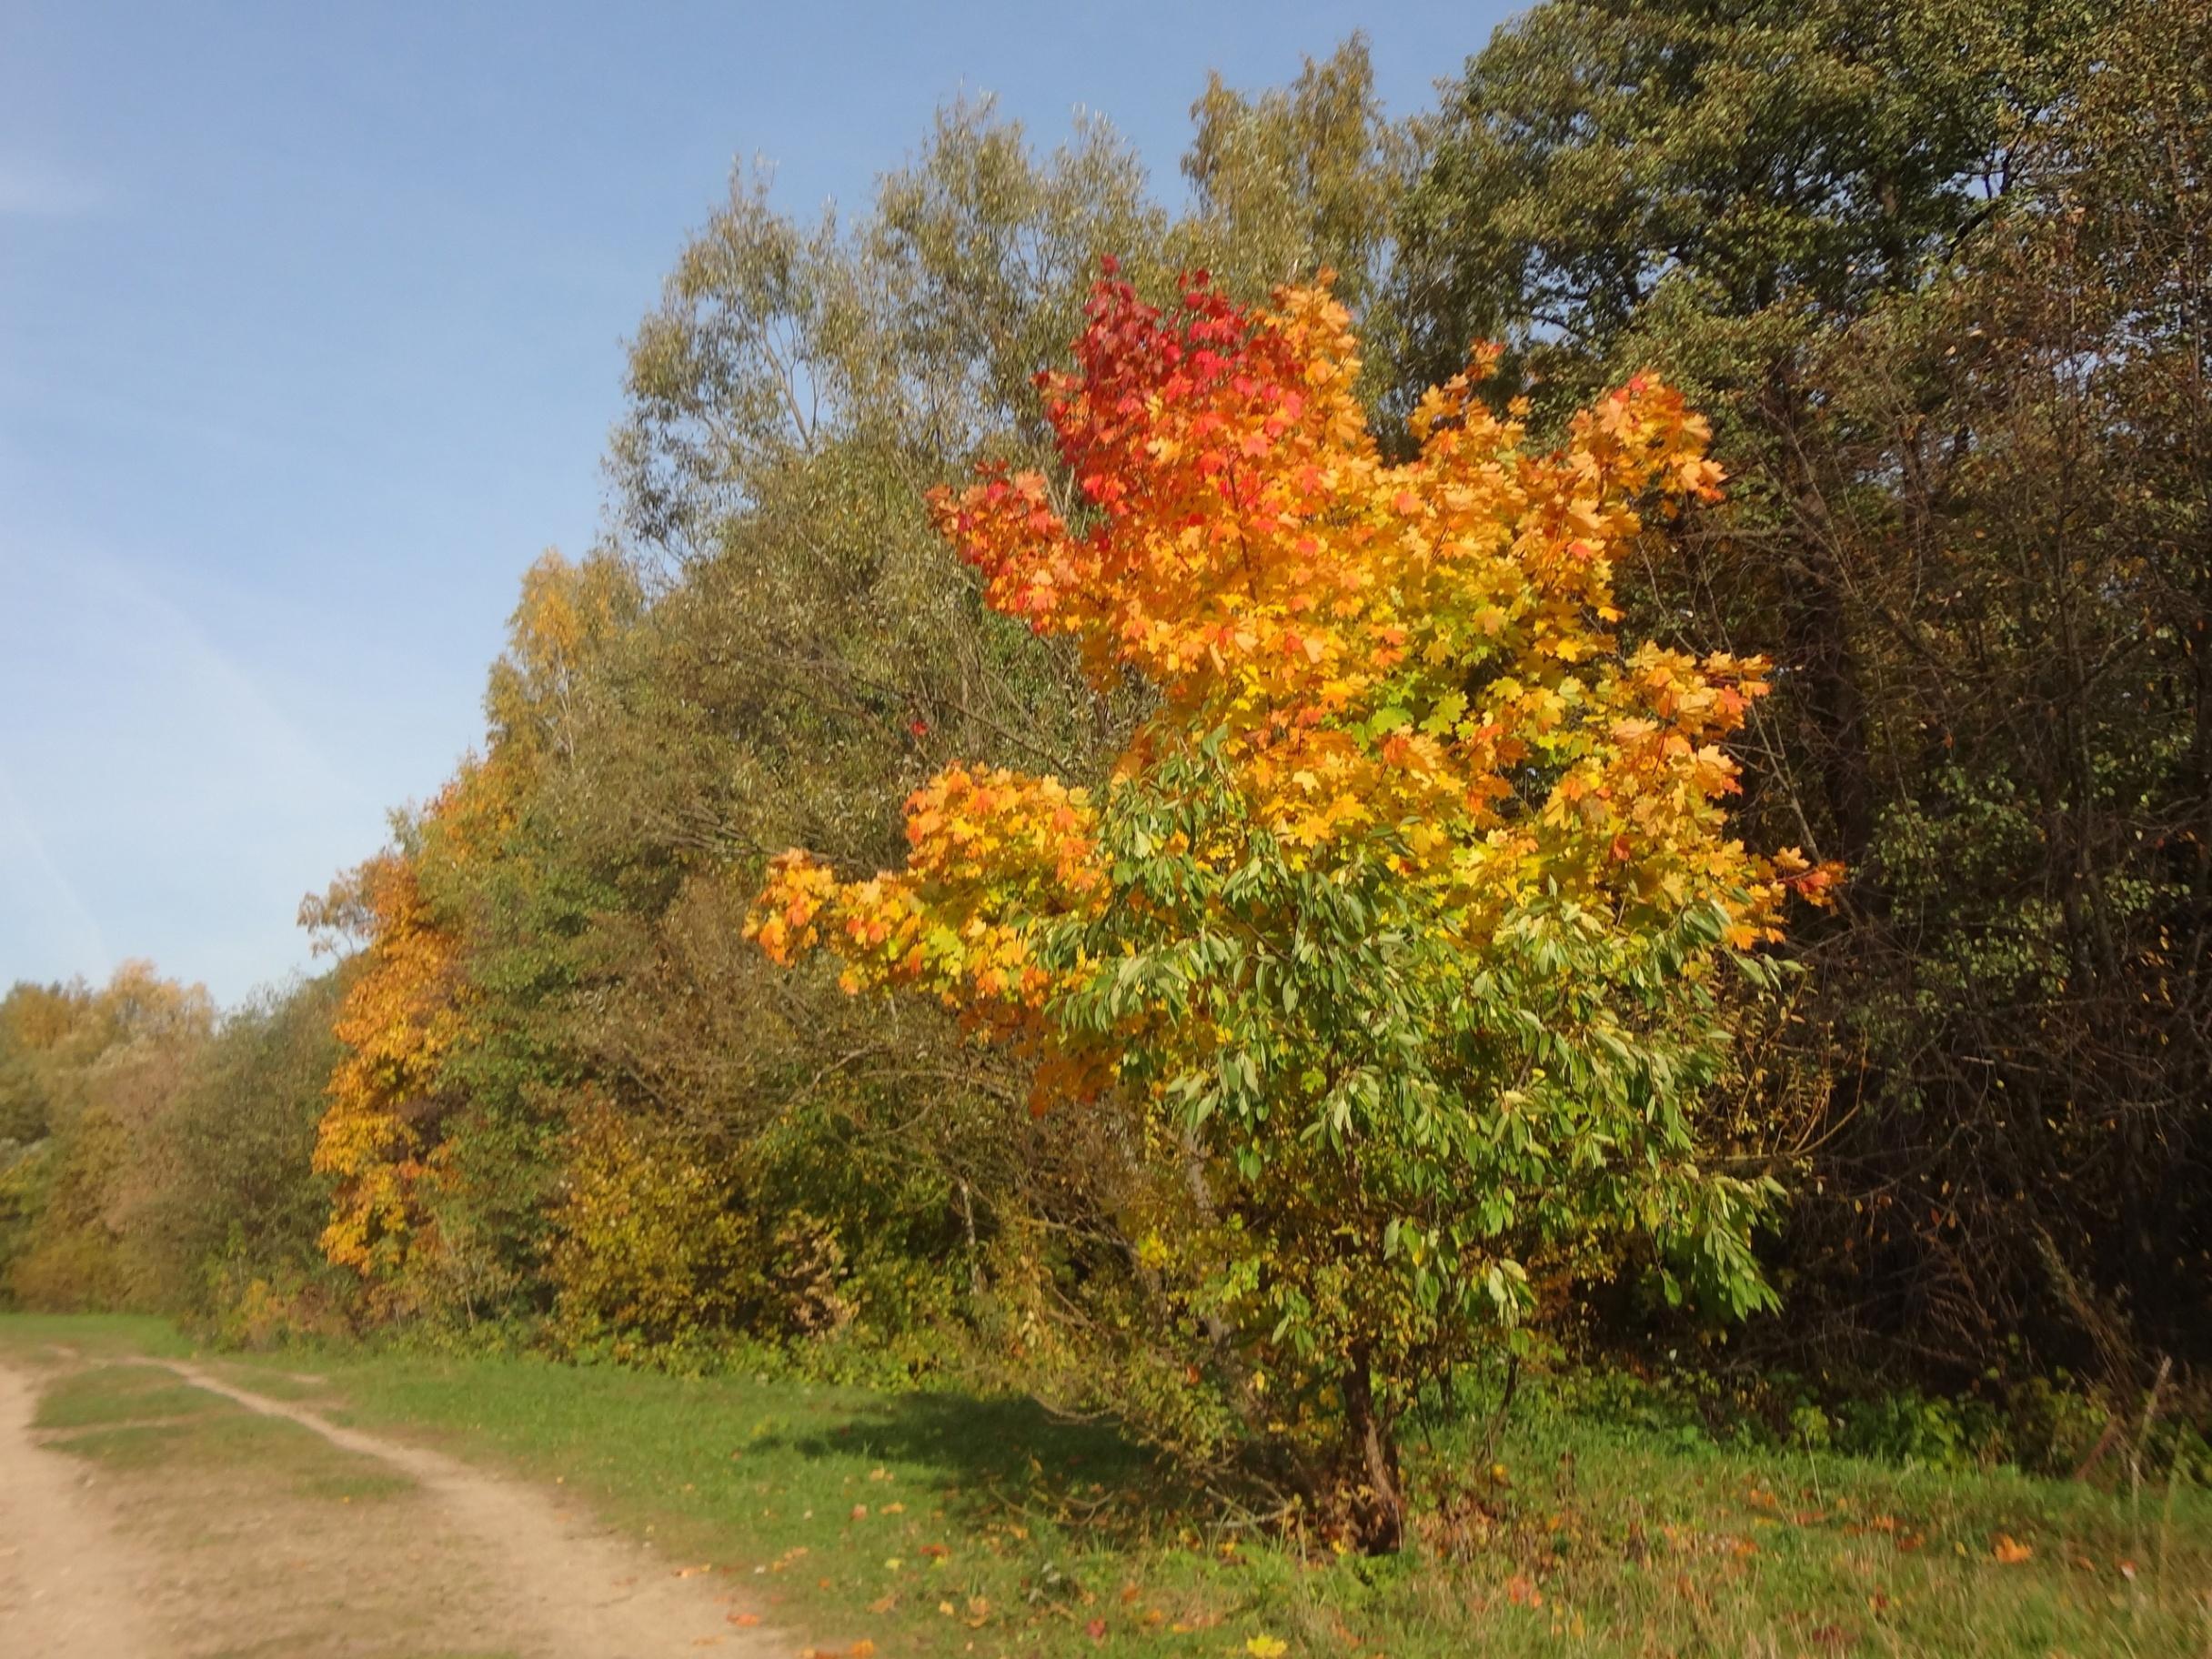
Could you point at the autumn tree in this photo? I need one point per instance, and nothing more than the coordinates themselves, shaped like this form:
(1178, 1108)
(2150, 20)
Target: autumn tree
(1394, 939)
(438, 1135)
(814, 652)
(397, 1018)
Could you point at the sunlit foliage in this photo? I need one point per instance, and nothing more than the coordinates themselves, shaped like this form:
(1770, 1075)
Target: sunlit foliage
(1393, 934)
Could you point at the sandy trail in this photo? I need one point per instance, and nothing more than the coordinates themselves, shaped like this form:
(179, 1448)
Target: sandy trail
(550, 1581)
(68, 1588)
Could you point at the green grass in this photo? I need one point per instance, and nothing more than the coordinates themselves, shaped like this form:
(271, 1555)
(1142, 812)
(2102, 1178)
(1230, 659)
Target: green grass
(120, 1393)
(144, 1417)
(1596, 1537)
(49, 1339)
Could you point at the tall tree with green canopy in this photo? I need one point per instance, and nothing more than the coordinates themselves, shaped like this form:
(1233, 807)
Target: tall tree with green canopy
(812, 651)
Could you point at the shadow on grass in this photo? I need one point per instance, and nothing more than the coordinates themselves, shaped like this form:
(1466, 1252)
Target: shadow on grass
(995, 1458)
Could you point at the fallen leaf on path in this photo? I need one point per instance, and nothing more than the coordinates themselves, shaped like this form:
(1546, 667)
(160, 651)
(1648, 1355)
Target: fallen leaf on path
(746, 1619)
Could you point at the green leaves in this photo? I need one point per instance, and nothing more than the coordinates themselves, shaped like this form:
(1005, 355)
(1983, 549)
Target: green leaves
(1395, 1123)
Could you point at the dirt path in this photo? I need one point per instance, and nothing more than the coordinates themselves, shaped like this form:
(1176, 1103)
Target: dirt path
(68, 1588)
(145, 1567)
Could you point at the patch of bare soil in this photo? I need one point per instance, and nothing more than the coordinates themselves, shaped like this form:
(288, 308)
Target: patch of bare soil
(68, 1588)
(282, 1534)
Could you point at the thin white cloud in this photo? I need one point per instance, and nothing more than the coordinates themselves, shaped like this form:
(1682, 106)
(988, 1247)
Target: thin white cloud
(159, 792)
(39, 189)
(37, 897)
(258, 724)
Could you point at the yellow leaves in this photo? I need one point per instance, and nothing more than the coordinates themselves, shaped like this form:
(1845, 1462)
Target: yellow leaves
(1266, 1647)
(567, 613)
(401, 1014)
(2009, 1551)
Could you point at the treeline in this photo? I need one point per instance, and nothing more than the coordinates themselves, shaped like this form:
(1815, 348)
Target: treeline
(1936, 273)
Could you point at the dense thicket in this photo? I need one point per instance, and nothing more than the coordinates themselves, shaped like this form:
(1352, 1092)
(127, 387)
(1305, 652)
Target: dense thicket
(1935, 271)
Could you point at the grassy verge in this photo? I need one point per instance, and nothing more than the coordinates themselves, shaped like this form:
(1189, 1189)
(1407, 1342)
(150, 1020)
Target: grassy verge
(937, 1525)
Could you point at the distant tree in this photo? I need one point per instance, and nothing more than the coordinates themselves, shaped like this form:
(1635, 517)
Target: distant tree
(1297, 179)
(107, 1064)
(236, 1203)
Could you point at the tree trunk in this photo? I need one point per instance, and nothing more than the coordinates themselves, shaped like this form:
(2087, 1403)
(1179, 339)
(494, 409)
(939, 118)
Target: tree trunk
(1379, 1499)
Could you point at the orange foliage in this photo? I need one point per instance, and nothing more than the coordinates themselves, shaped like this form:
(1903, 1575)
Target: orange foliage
(408, 1007)
(1416, 656)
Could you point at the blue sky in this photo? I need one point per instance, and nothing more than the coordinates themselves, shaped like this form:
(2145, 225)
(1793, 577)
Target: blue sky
(311, 324)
